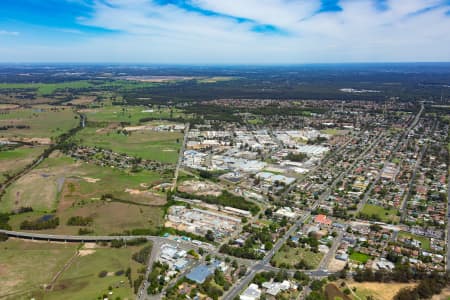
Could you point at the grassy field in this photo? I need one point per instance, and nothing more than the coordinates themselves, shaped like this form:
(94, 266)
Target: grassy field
(12, 161)
(292, 256)
(67, 188)
(109, 218)
(216, 79)
(147, 144)
(44, 89)
(385, 215)
(44, 122)
(81, 280)
(131, 114)
(379, 291)
(359, 257)
(425, 242)
(26, 265)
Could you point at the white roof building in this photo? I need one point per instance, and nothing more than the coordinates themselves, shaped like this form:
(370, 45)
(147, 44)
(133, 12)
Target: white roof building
(273, 288)
(251, 293)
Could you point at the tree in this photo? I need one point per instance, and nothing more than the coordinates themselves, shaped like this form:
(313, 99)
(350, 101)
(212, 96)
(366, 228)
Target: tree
(209, 236)
(406, 294)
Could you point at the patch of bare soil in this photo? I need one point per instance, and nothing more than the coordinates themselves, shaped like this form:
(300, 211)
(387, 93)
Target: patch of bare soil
(380, 291)
(336, 265)
(85, 252)
(35, 140)
(200, 188)
(110, 128)
(8, 106)
(82, 100)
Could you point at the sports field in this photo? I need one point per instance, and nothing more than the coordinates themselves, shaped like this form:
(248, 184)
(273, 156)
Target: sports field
(359, 257)
(384, 215)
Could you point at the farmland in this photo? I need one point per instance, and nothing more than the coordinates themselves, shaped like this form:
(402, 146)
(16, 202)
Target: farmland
(46, 89)
(38, 122)
(81, 280)
(146, 144)
(14, 160)
(71, 188)
(129, 114)
(17, 258)
(79, 267)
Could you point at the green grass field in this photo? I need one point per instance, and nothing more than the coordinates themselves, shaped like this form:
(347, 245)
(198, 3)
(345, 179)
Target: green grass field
(26, 265)
(292, 256)
(42, 187)
(81, 280)
(67, 188)
(13, 161)
(216, 79)
(359, 257)
(148, 144)
(131, 114)
(44, 122)
(385, 215)
(45, 89)
(425, 242)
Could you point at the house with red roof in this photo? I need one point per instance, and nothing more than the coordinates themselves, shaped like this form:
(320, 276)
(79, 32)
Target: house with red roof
(322, 219)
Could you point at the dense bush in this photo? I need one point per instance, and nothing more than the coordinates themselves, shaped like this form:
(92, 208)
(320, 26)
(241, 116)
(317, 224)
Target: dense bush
(40, 224)
(102, 274)
(80, 221)
(142, 255)
(4, 218)
(3, 237)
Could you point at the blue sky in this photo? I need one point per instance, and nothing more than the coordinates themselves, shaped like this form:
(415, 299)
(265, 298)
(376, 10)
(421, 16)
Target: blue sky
(224, 31)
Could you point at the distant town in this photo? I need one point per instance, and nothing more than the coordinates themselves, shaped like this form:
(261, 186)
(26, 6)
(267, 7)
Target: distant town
(114, 190)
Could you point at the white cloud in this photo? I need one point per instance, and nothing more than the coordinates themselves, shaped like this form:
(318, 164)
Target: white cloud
(10, 33)
(408, 30)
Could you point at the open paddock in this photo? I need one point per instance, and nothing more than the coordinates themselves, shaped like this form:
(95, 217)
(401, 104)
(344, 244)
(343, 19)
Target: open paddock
(62, 181)
(160, 146)
(37, 122)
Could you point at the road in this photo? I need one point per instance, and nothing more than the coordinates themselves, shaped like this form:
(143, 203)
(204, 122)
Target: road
(180, 157)
(332, 251)
(261, 265)
(106, 238)
(404, 204)
(448, 225)
(327, 192)
(399, 143)
(156, 248)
